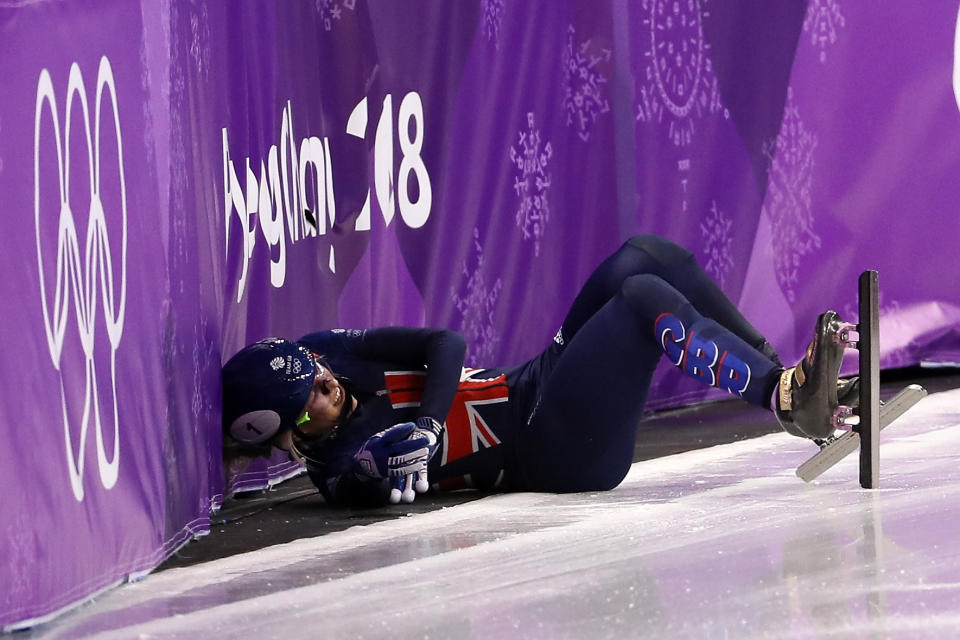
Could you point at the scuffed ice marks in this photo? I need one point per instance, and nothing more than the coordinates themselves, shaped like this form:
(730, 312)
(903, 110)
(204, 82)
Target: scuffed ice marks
(788, 202)
(584, 100)
(531, 157)
(476, 307)
(822, 23)
(716, 230)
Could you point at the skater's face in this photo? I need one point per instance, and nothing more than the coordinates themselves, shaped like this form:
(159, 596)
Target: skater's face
(325, 404)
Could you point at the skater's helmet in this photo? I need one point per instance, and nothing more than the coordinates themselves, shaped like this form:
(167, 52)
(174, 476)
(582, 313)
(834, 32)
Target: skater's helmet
(265, 388)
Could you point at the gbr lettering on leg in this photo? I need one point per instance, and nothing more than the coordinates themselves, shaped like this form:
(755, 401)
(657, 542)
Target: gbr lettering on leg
(701, 358)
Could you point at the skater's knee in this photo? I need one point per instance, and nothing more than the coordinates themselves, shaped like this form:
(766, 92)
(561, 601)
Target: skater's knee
(663, 251)
(643, 289)
(648, 296)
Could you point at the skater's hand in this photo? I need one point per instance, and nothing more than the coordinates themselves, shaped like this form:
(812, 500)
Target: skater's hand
(394, 454)
(429, 429)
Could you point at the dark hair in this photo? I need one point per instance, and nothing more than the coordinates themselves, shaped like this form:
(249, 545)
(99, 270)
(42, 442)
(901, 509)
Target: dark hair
(234, 448)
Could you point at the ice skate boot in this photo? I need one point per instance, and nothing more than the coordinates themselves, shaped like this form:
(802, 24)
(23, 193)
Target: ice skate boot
(848, 397)
(808, 394)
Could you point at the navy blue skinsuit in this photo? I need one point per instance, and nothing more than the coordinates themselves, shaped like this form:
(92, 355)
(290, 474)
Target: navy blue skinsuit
(564, 420)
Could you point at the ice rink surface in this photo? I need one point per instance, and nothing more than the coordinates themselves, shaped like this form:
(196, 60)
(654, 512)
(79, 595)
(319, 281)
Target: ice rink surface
(716, 543)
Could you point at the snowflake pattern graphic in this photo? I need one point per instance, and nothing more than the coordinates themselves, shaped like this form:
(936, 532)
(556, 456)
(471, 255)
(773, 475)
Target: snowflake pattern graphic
(332, 10)
(148, 87)
(533, 184)
(21, 548)
(822, 22)
(583, 100)
(788, 204)
(196, 400)
(476, 307)
(200, 41)
(717, 237)
(492, 19)
(205, 365)
(678, 85)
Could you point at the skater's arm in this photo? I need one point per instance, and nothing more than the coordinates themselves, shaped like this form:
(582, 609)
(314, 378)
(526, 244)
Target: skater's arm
(437, 352)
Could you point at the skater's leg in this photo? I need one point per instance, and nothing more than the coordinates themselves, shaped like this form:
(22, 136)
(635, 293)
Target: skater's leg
(582, 432)
(678, 267)
(681, 270)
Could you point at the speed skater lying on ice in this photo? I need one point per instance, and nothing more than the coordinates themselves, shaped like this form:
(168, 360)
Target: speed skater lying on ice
(379, 415)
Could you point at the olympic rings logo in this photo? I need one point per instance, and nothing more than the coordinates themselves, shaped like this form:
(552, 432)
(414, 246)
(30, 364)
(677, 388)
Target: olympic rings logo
(78, 270)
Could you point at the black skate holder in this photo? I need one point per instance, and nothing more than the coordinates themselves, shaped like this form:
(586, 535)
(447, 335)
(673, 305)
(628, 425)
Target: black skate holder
(871, 418)
(868, 348)
(864, 420)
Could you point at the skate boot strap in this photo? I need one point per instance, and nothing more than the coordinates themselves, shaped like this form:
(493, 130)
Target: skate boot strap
(786, 387)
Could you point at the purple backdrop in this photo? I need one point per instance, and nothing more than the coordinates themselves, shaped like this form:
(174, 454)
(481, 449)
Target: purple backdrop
(466, 165)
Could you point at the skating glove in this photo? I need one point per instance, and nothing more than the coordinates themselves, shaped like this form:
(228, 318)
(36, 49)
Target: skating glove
(430, 429)
(395, 454)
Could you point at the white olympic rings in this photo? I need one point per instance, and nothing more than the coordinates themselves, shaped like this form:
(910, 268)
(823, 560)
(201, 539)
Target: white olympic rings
(80, 269)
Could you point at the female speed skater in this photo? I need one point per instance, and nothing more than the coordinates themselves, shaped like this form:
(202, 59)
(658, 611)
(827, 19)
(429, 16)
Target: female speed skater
(379, 415)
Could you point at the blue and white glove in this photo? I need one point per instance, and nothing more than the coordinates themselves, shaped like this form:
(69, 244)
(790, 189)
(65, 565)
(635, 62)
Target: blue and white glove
(429, 429)
(396, 454)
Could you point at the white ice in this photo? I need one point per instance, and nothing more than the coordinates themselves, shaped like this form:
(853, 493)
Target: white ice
(721, 542)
